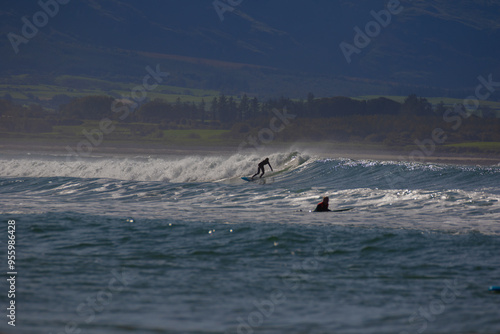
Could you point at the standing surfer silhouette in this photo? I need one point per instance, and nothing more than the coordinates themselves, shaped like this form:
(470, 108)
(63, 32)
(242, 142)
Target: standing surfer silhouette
(261, 167)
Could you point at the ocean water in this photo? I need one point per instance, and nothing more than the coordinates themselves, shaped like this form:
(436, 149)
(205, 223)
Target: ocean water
(180, 244)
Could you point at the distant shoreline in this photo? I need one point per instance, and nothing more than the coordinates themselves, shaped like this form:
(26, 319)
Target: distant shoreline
(323, 149)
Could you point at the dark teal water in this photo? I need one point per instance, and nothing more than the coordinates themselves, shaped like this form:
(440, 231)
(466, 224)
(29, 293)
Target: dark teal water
(182, 245)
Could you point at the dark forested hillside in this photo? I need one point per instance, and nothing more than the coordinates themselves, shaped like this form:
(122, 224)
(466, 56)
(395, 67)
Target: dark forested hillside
(412, 45)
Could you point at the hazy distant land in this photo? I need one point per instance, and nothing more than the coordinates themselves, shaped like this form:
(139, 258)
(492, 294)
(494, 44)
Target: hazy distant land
(405, 128)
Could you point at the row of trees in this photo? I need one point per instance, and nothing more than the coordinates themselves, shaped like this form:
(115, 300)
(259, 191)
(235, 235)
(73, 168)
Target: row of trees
(340, 118)
(227, 110)
(17, 118)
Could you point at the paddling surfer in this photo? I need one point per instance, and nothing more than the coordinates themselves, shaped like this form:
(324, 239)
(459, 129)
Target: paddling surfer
(261, 167)
(323, 206)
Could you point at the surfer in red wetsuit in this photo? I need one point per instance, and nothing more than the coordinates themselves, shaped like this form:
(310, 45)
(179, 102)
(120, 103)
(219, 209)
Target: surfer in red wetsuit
(261, 167)
(323, 206)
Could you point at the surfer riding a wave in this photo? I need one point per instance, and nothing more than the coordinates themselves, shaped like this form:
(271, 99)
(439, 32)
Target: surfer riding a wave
(261, 167)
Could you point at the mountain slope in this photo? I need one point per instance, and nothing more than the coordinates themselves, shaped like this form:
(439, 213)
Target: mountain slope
(435, 43)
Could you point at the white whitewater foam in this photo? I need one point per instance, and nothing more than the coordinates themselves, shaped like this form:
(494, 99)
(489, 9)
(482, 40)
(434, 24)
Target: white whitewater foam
(172, 169)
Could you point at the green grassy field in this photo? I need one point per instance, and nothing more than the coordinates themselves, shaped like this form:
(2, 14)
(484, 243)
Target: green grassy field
(21, 87)
(75, 86)
(71, 135)
(133, 132)
(127, 135)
